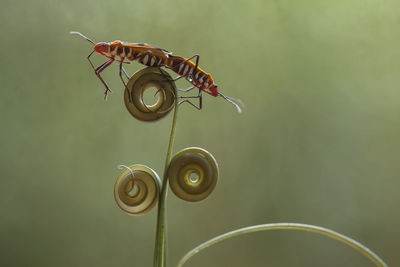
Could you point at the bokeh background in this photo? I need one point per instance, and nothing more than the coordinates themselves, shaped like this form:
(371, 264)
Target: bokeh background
(318, 141)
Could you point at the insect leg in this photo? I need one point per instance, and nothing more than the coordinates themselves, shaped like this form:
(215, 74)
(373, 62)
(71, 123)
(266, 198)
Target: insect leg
(120, 73)
(187, 90)
(122, 70)
(88, 57)
(126, 74)
(177, 78)
(199, 96)
(98, 70)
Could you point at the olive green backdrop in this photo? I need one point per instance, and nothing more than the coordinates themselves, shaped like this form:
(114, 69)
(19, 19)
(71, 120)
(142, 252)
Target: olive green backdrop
(318, 141)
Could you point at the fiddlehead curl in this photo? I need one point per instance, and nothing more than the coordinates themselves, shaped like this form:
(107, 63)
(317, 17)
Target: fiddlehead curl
(141, 81)
(137, 189)
(193, 174)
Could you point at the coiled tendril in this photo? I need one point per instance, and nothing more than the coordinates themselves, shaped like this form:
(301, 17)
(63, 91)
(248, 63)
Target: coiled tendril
(142, 80)
(193, 174)
(137, 189)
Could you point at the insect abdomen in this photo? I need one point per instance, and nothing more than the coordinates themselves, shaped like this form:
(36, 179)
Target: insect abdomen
(150, 60)
(180, 66)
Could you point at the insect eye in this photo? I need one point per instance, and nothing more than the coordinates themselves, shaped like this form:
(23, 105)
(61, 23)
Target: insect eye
(104, 44)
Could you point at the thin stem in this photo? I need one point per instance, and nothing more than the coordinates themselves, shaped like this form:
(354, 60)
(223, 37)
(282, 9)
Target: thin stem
(160, 250)
(294, 226)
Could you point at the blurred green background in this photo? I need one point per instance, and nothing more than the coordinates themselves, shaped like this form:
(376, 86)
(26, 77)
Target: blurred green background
(318, 141)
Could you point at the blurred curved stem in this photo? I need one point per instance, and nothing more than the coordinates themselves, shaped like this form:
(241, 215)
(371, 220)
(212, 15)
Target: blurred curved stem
(293, 226)
(160, 250)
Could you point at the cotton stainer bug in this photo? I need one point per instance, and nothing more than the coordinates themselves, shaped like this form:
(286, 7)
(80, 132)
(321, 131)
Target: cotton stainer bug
(145, 54)
(154, 56)
(199, 79)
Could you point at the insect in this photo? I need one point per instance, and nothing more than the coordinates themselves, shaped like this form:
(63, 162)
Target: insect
(199, 79)
(154, 56)
(145, 54)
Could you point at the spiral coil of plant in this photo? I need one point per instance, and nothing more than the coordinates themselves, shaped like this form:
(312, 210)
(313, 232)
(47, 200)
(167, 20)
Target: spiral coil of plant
(137, 189)
(192, 173)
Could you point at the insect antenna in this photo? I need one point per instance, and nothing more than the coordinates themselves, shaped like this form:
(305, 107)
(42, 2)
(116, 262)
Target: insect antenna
(236, 102)
(80, 34)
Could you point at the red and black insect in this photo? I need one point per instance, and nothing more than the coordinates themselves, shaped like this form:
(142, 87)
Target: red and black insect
(199, 79)
(145, 54)
(154, 56)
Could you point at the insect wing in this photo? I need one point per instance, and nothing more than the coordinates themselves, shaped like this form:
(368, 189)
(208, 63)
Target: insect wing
(145, 47)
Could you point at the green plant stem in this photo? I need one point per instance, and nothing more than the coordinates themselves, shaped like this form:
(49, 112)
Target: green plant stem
(294, 226)
(160, 250)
